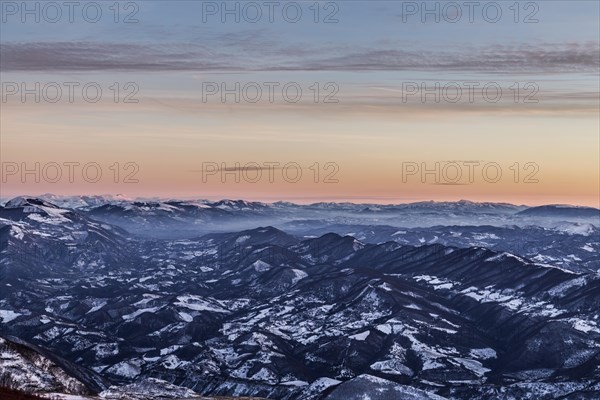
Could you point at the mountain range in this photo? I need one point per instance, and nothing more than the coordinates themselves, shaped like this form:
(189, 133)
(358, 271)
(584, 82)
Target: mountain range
(324, 301)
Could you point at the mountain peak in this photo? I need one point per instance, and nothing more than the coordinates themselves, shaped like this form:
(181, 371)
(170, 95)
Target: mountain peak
(22, 201)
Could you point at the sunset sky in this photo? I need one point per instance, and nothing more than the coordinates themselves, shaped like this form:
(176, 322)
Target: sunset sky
(371, 61)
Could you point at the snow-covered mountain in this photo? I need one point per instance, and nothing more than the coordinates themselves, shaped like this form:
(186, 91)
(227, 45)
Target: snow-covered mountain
(31, 369)
(562, 211)
(321, 310)
(170, 218)
(571, 245)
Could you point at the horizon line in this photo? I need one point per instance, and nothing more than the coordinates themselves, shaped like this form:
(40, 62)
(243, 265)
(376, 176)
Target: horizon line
(342, 200)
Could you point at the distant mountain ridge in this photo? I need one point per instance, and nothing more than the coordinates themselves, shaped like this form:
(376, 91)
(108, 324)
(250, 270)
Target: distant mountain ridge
(189, 218)
(94, 200)
(554, 210)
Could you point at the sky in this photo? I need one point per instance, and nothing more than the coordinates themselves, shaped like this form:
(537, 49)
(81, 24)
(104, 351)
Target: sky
(366, 101)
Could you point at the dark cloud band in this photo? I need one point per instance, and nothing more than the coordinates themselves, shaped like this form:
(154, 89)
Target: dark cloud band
(91, 56)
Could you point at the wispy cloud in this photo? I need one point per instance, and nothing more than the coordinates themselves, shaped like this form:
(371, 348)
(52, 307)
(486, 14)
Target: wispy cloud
(223, 54)
(238, 169)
